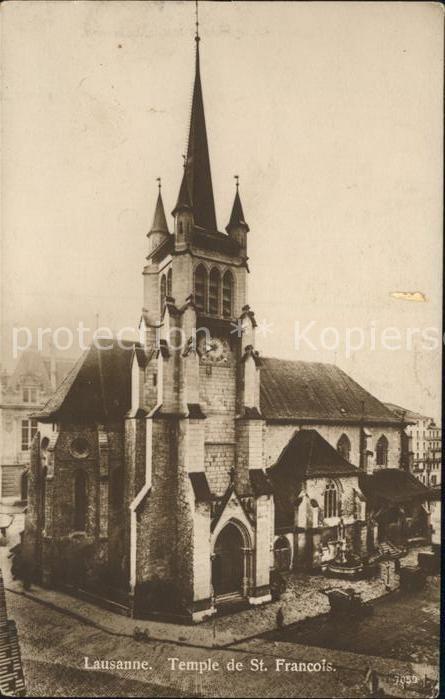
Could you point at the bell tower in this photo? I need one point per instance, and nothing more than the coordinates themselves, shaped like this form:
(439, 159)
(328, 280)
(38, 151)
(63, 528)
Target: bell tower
(197, 261)
(203, 427)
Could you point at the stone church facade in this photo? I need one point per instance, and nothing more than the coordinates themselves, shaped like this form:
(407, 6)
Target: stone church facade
(157, 469)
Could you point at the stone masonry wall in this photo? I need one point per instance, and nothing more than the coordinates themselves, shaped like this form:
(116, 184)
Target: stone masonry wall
(32, 538)
(184, 521)
(69, 556)
(277, 436)
(219, 459)
(249, 451)
(156, 525)
(347, 486)
(217, 398)
(65, 467)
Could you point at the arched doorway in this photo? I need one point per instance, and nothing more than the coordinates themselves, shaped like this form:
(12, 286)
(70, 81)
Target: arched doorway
(392, 526)
(228, 561)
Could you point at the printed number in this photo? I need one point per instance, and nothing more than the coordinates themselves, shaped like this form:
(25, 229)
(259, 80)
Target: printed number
(405, 680)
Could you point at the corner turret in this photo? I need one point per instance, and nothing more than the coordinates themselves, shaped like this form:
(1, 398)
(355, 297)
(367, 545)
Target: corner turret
(159, 229)
(237, 227)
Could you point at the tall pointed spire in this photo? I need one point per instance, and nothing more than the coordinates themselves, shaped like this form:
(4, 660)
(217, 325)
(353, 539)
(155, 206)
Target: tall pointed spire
(197, 164)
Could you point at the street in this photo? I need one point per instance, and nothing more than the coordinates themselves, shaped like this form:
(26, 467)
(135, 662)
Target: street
(54, 647)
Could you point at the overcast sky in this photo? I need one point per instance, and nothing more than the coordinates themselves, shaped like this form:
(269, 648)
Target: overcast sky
(331, 114)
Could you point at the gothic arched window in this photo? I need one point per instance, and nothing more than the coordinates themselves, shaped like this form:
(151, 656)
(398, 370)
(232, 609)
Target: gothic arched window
(200, 287)
(344, 447)
(227, 295)
(214, 292)
(163, 291)
(330, 500)
(80, 501)
(169, 282)
(381, 451)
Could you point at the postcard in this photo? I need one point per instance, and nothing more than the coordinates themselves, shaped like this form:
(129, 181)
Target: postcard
(221, 337)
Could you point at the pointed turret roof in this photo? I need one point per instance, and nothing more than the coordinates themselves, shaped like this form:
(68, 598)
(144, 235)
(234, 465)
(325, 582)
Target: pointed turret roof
(184, 201)
(237, 215)
(197, 163)
(159, 224)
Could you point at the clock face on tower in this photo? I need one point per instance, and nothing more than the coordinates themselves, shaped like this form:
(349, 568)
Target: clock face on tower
(214, 350)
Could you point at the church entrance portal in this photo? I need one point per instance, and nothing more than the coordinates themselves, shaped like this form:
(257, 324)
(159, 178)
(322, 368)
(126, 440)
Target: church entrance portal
(228, 562)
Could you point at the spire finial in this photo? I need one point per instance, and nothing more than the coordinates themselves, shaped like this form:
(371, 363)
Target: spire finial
(158, 180)
(236, 178)
(197, 37)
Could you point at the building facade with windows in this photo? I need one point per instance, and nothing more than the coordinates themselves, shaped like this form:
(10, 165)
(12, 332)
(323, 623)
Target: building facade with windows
(159, 469)
(435, 508)
(434, 458)
(22, 392)
(426, 445)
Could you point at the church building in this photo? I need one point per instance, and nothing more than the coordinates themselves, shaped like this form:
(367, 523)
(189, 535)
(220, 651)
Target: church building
(175, 474)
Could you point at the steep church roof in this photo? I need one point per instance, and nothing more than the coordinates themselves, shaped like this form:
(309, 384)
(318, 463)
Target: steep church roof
(392, 485)
(306, 455)
(309, 455)
(98, 388)
(311, 391)
(404, 412)
(197, 163)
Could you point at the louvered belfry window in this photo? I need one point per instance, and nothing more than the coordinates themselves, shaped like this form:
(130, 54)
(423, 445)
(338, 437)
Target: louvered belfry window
(214, 292)
(227, 295)
(200, 287)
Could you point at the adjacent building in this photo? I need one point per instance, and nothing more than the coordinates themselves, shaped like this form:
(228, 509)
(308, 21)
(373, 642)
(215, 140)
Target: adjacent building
(434, 458)
(435, 508)
(425, 445)
(22, 392)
